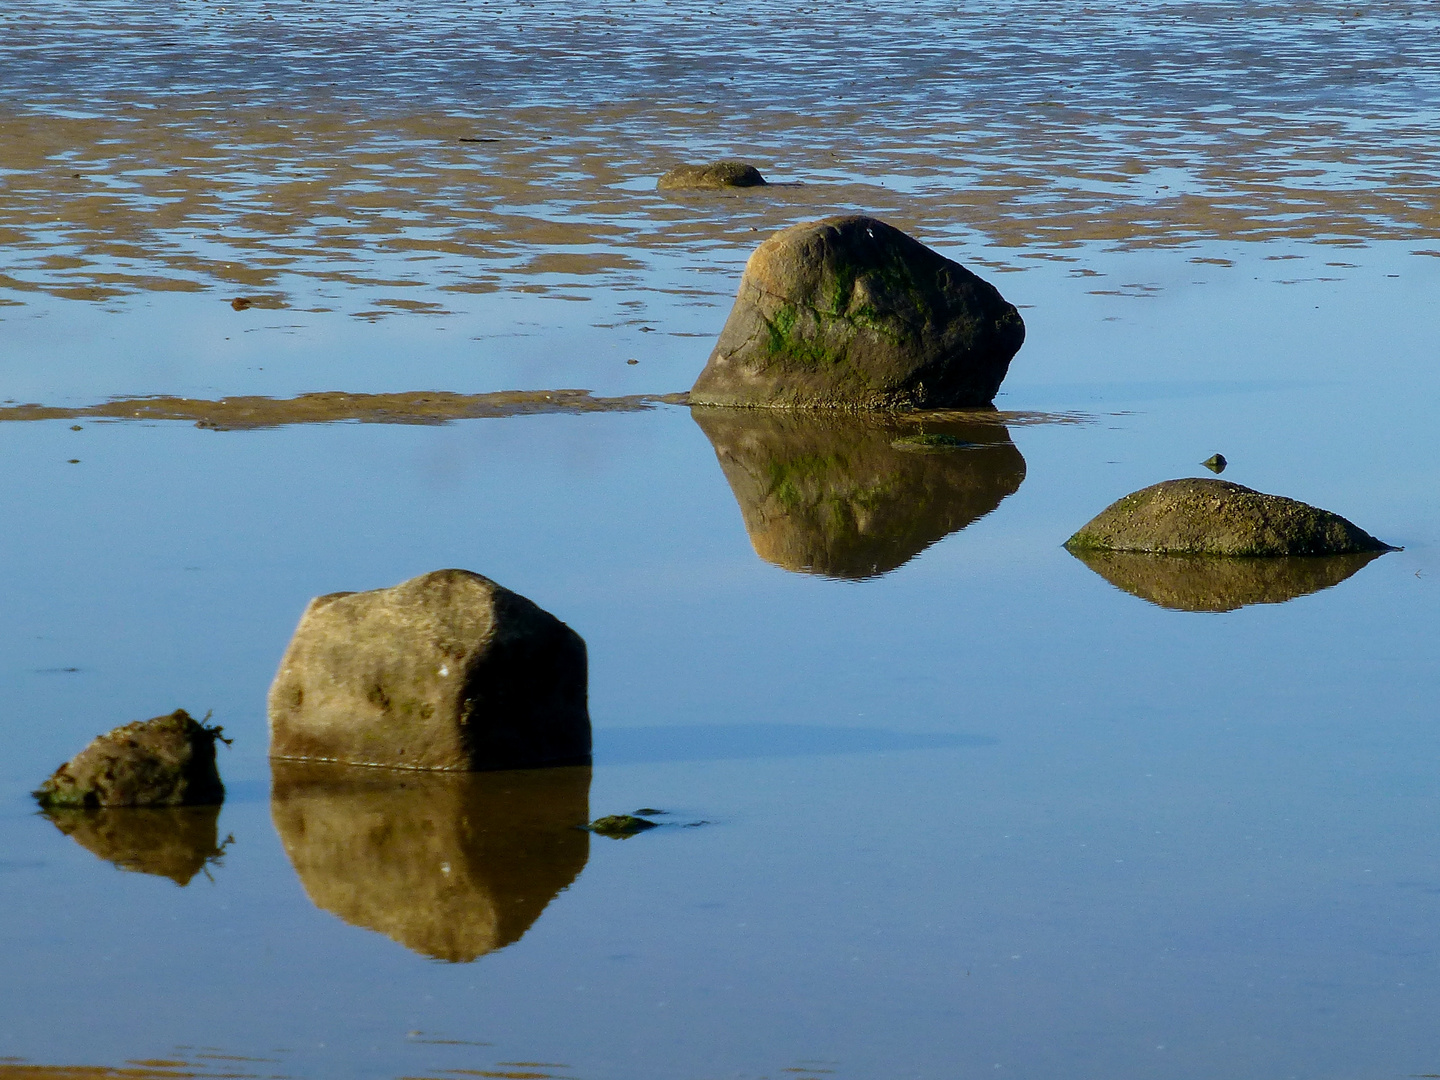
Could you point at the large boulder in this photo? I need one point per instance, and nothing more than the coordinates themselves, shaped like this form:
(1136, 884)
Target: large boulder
(166, 761)
(857, 496)
(1206, 583)
(176, 842)
(711, 177)
(445, 671)
(451, 865)
(1215, 517)
(851, 313)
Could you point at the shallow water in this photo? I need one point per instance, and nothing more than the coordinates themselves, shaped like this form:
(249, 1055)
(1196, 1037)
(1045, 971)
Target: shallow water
(940, 799)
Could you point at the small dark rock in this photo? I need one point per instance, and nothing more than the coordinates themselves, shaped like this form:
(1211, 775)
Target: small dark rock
(240, 303)
(719, 174)
(620, 826)
(1216, 517)
(1215, 463)
(850, 313)
(167, 761)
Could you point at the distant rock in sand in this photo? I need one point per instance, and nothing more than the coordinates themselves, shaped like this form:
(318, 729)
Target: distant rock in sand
(445, 671)
(167, 761)
(1215, 517)
(855, 496)
(450, 865)
(851, 313)
(718, 174)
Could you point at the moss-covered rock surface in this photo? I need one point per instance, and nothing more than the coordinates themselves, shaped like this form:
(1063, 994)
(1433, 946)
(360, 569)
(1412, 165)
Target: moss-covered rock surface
(851, 313)
(1215, 517)
(445, 671)
(711, 177)
(166, 761)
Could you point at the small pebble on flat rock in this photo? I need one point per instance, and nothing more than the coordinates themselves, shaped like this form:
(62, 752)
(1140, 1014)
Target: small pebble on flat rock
(716, 175)
(445, 671)
(1216, 517)
(851, 313)
(167, 761)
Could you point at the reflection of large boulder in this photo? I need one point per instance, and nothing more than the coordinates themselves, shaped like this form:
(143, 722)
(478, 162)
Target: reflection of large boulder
(445, 671)
(174, 842)
(1213, 583)
(850, 313)
(451, 865)
(856, 496)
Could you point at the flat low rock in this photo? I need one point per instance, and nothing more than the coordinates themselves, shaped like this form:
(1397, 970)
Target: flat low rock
(851, 313)
(1215, 517)
(165, 761)
(445, 671)
(711, 177)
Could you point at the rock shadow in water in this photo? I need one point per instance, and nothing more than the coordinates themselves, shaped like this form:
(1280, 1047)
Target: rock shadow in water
(451, 865)
(1221, 583)
(855, 497)
(176, 842)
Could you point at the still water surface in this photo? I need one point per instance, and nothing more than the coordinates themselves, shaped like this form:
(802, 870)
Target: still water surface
(940, 799)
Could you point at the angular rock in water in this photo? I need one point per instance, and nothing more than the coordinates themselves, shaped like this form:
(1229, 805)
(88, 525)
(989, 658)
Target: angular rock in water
(1207, 583)
(176, 842)
(167, 761)
(716, 175)
(1215, 517)
(854, 497)
(445, 671)
(850, 313)
(1215, 463)
(450, 865)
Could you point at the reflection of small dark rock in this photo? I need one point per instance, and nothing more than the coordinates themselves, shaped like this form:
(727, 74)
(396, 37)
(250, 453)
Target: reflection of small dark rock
(831, 493)
(719, 174)
(620, 826)
(1215, 517)
(445, 671)
(451, 865)
(176, 842)
(1216, 583)
(1215, 463)
(851, 313)
(167, 761)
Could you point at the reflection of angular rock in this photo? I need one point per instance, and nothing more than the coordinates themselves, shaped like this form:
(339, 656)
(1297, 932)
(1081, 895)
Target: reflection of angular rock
(856, 496)
(174, 842)
(1215, 583)
(445, 671)
(451, 865)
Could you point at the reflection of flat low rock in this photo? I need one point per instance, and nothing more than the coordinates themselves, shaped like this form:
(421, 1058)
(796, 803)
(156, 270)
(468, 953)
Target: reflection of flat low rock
(1213, 583)
(174, 841)
(451, 865)
(849, 496)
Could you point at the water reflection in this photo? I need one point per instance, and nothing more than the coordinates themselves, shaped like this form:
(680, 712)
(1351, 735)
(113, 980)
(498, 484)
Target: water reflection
(176, 842)
(451, 865)
(1212, 583)
(857, 496)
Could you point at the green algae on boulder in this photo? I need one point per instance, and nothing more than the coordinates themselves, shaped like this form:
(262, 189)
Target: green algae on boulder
(855, 496)
(445, 671)
(1215, 517)
(165, 761)
(711, 177)
(1208, 583)
(851, 313)
(175, 842)
(620, 826)
(449, 865)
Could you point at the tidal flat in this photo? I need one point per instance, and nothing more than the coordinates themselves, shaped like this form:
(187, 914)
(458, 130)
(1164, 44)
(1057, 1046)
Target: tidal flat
(303, 297)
